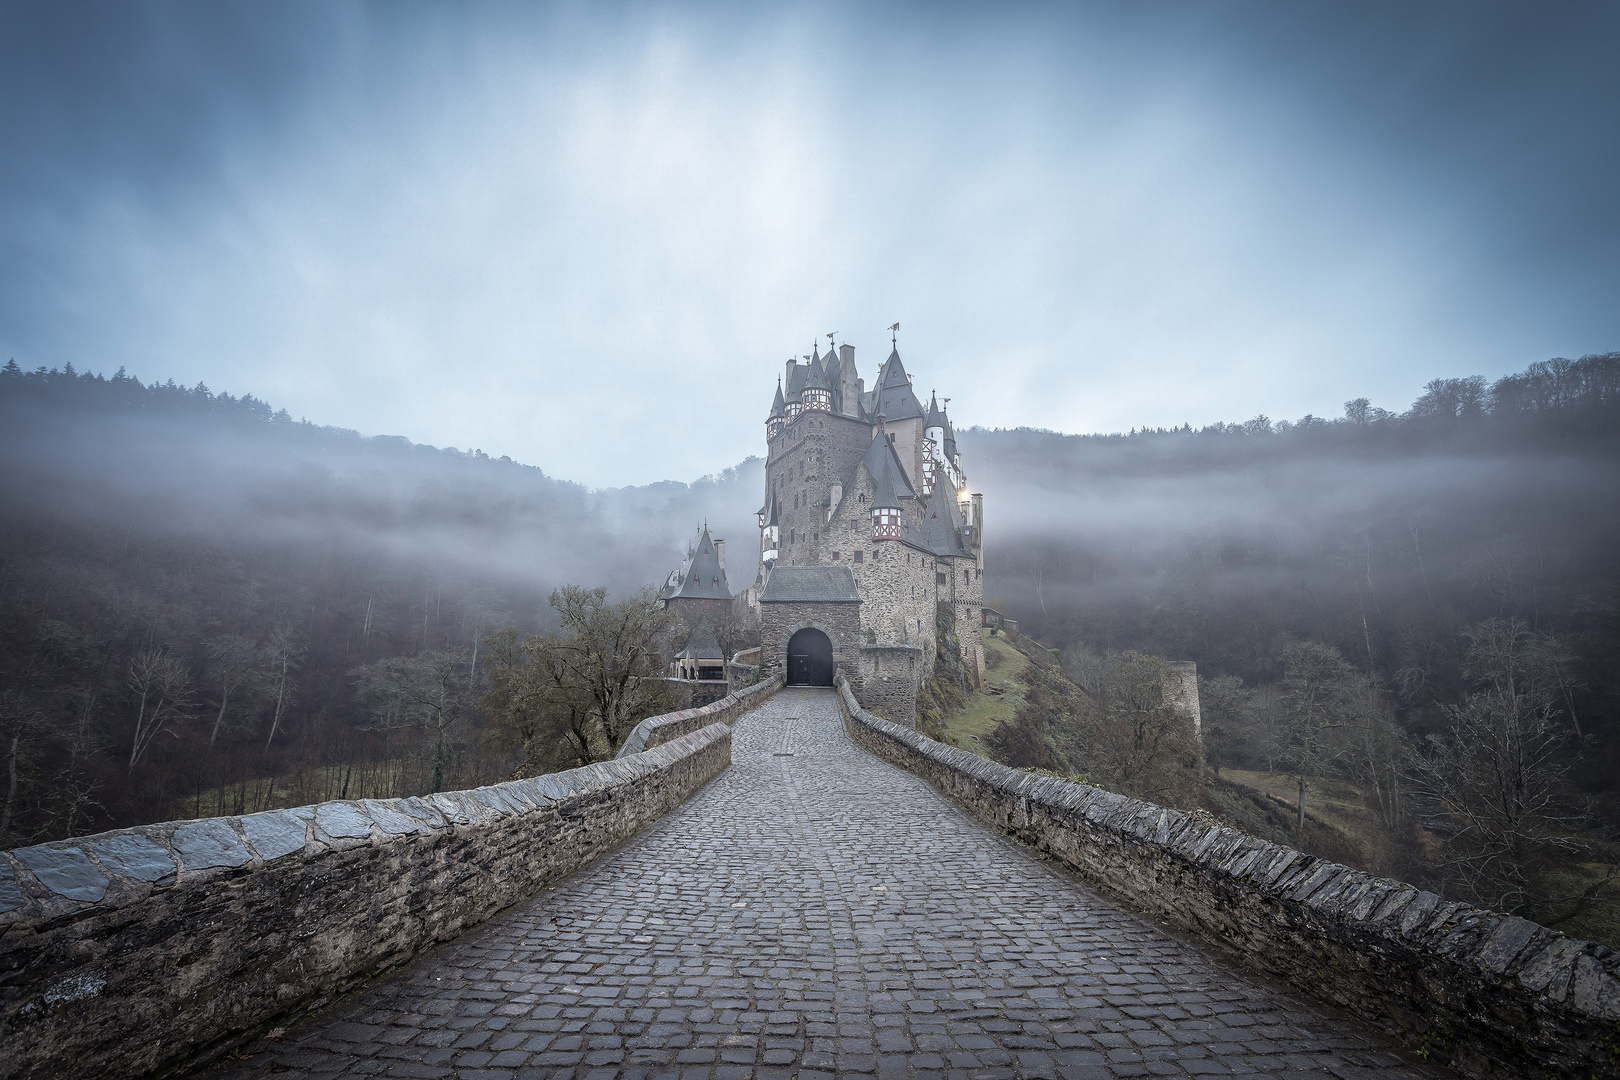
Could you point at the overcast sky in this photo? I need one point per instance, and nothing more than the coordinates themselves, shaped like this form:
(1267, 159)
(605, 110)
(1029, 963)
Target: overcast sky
(587, 236)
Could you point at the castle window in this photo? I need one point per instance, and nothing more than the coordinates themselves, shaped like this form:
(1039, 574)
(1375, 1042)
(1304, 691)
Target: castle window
(835, 556)
(939, 579)
(965, 578)
(859, 555)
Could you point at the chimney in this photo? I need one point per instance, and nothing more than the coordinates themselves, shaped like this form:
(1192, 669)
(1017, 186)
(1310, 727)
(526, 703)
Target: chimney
(720, 553)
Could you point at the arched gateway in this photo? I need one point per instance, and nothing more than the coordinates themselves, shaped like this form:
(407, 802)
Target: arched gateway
(809, 658)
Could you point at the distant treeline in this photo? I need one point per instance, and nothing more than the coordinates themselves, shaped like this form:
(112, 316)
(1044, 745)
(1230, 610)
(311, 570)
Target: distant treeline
(196, 590)
(207, 606)
(1446, 567)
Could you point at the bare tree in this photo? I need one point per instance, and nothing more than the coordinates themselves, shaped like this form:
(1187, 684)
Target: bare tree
(611, 653)
(431, 690)
(1313, 683)
(1500, 773)
(21, 723)
(162, 685)
(238, 665)
(282, 658)
(1139, 743)
(1373, 749)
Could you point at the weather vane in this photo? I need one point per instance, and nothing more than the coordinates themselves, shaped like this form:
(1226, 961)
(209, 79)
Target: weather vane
(894, 334)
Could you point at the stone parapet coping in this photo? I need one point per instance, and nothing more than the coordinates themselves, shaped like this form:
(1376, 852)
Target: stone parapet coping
(1491, 994)
(656, 730)
(157, 948)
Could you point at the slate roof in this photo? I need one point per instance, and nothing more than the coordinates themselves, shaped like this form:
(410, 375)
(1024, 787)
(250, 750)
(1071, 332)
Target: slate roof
(880, 452)
(810, 584)
(700, 577)
(936, 416)
(886, 495)
(816, 378)
(941, 531)
(778, 407)
(796, 384)
(893, 396)
(702, 644)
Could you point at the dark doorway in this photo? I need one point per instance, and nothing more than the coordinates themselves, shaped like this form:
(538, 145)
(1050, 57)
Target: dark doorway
(809, 659)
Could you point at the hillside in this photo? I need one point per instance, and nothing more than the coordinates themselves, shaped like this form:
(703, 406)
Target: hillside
(155, 521)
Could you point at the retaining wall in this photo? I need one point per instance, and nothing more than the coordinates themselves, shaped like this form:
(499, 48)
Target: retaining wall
(154, 948)
(657, 730)
(1491, 994)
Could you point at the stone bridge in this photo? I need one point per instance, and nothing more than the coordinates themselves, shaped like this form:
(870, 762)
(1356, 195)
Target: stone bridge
(816, 911)
(817, 907)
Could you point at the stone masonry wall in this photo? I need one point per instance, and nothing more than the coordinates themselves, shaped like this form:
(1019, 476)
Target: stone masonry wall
(891, 675)
(779, 621)
(1491, 994)
(154, 948)
(811, 454)
(658, 730)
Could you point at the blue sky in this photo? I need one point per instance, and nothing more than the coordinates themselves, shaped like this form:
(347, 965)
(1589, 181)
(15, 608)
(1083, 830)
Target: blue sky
(588, 236)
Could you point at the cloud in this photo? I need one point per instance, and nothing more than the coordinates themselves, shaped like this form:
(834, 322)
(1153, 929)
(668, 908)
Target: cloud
(589, 240)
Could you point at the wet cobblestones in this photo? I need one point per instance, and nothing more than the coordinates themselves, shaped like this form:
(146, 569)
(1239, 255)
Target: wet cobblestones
(816, 912)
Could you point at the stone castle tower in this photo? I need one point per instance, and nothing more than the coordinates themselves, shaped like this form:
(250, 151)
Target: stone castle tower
(867, 531)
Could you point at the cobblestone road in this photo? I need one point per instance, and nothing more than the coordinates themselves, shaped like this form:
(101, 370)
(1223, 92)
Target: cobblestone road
(813, 912)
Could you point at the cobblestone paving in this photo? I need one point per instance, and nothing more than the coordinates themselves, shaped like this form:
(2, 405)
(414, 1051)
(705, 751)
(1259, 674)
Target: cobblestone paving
(817, 912)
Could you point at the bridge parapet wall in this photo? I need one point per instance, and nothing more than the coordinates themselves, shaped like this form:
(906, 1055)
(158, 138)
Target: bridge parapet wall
(1491, 994)
(158, 947)
(657, 730)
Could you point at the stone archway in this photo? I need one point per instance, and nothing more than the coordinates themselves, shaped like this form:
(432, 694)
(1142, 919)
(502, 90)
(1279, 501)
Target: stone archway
(810, 658)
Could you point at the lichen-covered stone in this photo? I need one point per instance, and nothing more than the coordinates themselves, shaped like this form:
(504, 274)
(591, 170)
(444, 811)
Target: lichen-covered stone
(204, 845)
(65, 871)
(275, 834)
(134, 856)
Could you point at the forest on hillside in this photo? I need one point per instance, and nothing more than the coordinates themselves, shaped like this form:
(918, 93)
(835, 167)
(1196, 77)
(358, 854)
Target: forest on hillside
(207, 606)
(1422, 608)
(200, 594)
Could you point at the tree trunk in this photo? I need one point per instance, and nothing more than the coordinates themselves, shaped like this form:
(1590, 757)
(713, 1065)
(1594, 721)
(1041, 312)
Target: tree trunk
(1302, 802)
(11, 790)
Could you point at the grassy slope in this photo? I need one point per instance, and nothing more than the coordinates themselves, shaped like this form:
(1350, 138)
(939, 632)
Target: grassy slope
(983, 710)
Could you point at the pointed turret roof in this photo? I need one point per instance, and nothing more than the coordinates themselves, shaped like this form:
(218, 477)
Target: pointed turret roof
(796, 385)
(816, 377)
(950, 439)
(778, 407)
(770, 510)
(893, 395)
(886, 495)
(700, 577)
(936, 415)
(881, 461)
(832, 365)
(941, 531)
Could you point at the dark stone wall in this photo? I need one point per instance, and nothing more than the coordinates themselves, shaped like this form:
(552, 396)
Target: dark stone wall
(1491, 994)
(840, 622)
(810, 455)
(159, 947)
(658, 730)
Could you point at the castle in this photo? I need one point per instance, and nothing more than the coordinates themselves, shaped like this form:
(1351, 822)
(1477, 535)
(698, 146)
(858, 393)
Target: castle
(867, 532)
